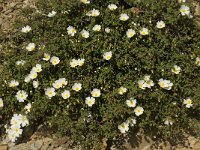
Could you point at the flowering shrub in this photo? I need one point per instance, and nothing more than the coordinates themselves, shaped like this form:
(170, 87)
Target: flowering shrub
(99, 69)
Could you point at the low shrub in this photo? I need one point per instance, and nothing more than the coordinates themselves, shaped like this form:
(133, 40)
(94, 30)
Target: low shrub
(101, 69)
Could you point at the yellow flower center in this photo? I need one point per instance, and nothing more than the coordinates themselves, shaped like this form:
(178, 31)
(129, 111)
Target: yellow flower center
(189, 101)
(143, 32)
(108, 57)
(21, 96)
(123, 126)
(162, 84)
(183, 10)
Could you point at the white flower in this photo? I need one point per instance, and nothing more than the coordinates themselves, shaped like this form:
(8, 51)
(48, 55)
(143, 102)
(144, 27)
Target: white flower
(15, 121)
(90, 101)
(112, 6)
(57, 84)
(66, 94)
(197, 62)
(20, 62)
(107, 30)
(33, 75)
(168, 121)
(16, 130)
(138, 111)
(30, 47)
(96, 28)
(26, 29)
(37, 68)
(28, 107)
(71, 30)
(85, 34)
(95, 13)
(149, 83)
(21, 96)
(13, 83)
(181, 1)
(80, 62)
(50, 92)
(85, 1)
(166, 84)
(123, 17)
(35, 84)
(160, 24)
(63, 81)
(12, 136)
(24, 121)
(122, 90)
(188, 102)
(131, 103)
(46, 57)
(27, 79)
(1, 102)
(124, 127)
(89, 13)
(54, 60)
(52, 14)
(130, 33)
(142, 84)
(185, 10)
(96, 93)
(147, 78)
(77, 87)
(107, 55)
(144, 31)
(73, 63)
(176, 69)
(131, 121)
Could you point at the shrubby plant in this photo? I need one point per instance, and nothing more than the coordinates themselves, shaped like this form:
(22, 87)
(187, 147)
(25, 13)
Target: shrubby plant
(99, 69)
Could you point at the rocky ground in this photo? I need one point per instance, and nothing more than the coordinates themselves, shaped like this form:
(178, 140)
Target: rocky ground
(41, 141)
(9, 11)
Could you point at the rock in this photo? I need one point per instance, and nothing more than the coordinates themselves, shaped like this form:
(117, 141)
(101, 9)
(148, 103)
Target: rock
(4, 147)
(197, 9)
(32, 147)
(44, 147)
(60, 141)
(19, 147)
(38, 144)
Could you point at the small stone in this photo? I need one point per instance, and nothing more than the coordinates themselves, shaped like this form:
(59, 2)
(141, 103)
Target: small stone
(1, 8)
(13, 4)
(1, 21)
